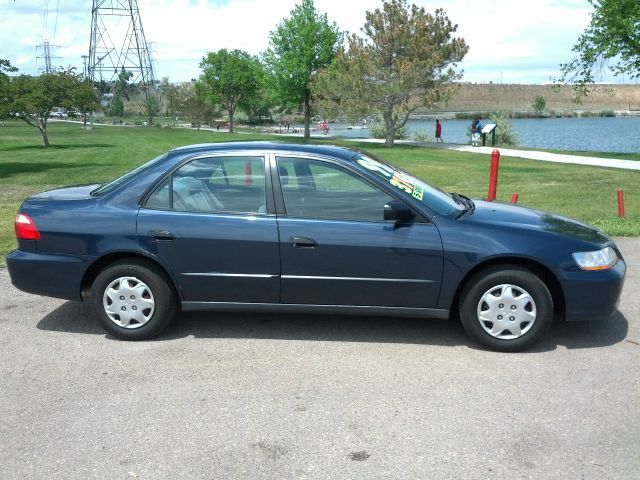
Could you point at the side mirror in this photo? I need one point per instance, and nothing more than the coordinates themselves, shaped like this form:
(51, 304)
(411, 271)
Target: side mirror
(398, 211)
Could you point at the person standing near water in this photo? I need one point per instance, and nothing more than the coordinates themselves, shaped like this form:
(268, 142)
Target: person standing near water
(438, 131)
(476, 129)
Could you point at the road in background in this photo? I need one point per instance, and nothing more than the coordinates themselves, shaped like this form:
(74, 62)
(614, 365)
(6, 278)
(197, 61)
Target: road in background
(298, 396)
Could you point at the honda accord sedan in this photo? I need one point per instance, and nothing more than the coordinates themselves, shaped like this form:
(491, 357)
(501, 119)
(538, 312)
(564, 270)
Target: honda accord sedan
(261, 226)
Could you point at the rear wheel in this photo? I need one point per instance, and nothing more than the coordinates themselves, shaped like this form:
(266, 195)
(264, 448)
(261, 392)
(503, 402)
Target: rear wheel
(133, 300)
(506, 308)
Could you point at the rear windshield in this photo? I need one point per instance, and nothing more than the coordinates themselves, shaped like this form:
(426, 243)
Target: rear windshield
(111, 186)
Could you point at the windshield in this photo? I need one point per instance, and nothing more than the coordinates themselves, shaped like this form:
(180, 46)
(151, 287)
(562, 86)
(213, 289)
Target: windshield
(111, 186)
(440, 202)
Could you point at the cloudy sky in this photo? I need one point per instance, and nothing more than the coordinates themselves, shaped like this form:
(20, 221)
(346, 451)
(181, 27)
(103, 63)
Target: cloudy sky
(513, 41)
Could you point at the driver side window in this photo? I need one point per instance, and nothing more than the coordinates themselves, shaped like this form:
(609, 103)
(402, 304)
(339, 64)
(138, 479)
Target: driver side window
(317, 189)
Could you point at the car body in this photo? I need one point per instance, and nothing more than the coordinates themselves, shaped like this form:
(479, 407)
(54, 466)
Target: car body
(302, 228)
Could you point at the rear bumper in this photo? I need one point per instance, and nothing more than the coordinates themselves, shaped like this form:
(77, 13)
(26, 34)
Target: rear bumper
(50, 275)
(593, 295)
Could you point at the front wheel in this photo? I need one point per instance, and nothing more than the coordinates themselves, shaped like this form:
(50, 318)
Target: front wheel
(133, 300)
(506, 308)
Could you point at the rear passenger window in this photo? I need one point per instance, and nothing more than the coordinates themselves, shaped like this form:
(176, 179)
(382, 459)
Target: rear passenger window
(214, 184)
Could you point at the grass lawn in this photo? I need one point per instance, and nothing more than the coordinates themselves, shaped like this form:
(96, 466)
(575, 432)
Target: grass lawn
(82, 156)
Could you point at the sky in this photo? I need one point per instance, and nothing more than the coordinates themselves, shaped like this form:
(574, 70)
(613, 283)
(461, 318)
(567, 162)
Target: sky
(511, 41)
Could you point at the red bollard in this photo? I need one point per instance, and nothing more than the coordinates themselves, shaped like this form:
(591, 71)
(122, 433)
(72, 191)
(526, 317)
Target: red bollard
(514, 198)
(493, 176)
(247, 173)
(621, 203)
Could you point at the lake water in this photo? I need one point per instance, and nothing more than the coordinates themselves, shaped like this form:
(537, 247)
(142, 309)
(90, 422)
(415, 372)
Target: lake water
(603, 134)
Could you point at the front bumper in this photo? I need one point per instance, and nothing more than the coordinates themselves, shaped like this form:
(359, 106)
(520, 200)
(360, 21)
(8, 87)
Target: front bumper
(593, 295)
(51, 275)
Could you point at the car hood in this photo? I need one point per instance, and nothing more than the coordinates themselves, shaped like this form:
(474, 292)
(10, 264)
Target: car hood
(76, 192)
(504, 214)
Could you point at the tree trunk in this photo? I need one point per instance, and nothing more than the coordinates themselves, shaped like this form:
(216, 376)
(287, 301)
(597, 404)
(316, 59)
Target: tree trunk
(307, 114)
(231, 120)
(44, 137)
(391, 131)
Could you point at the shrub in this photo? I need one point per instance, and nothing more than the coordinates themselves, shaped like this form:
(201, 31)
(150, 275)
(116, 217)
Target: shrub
(422, 136)
(379, 130)
(505, 134)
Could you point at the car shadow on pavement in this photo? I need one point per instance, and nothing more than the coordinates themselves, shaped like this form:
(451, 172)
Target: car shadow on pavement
(314, 327)
(589, 334)
(75, 317)
(71, 317)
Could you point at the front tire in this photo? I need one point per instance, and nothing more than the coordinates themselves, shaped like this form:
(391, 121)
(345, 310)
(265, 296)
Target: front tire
(506, 308)
(133, 300)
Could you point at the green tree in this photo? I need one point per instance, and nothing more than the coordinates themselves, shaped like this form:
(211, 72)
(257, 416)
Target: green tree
(192, 104)
(612, 38)
(32, 99)
(299, 47)
(169, 98)
(260, 104)
(116, 107)
(229, 78)
(85, 99)
(404, 61)
(5, 67)
(539, 104)
(122, 87)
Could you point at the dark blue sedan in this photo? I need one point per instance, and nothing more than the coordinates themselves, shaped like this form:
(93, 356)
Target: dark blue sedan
(293, 228)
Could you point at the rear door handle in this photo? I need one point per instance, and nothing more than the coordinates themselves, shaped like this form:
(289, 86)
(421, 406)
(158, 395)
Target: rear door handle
(160, 235)
(303, 242)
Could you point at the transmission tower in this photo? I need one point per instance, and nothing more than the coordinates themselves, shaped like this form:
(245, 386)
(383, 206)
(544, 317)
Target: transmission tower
(118, 44)
(46, 56)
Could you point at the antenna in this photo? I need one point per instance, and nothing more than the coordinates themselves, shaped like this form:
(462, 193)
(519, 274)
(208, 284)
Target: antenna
(118, 44)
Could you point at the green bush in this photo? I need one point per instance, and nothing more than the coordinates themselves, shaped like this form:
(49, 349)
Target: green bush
(379, 130)
(505, 134)
(423, 136)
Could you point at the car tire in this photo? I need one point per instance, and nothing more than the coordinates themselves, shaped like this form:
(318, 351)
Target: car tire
(133, 300)
(506, 308)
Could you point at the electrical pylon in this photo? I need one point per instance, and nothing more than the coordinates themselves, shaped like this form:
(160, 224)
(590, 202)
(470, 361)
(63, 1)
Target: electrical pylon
(118, 44)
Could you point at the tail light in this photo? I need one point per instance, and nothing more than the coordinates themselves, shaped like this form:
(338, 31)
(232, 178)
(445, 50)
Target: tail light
(25, 228)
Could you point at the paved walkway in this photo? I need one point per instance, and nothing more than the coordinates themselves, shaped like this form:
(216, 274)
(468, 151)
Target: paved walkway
(553, 157)
(530, 154)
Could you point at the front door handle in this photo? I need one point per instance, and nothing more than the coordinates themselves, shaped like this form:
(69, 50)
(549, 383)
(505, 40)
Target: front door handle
(303, 242)
(161, 235)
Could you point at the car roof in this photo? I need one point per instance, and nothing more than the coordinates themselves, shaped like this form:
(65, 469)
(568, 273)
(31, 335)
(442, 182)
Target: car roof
(331, 150)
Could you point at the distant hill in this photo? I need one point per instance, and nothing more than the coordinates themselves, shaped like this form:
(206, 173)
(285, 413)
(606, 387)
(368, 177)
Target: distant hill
(471, 97)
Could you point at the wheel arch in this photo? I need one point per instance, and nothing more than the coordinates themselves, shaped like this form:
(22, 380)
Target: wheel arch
(545, 274)
(103, 262)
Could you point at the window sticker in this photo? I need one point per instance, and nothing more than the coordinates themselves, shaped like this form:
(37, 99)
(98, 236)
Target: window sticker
(374, 166)
(397, 179)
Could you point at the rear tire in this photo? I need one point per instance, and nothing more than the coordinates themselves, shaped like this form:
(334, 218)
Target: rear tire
(506, 308)
(133, 300)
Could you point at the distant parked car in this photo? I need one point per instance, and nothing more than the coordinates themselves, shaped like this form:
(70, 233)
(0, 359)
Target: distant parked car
(300, 228)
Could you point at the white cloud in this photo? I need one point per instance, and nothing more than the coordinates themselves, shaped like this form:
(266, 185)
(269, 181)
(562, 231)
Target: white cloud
(525, 40)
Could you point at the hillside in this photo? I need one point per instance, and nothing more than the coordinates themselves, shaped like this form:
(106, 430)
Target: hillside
(511, 97)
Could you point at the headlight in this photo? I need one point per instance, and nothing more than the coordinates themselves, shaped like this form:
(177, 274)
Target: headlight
(599, 260)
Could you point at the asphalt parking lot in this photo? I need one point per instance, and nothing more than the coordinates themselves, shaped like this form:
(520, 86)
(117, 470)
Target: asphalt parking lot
(297, 397)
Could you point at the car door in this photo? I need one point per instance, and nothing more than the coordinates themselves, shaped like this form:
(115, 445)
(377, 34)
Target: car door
(337, 249)
(208, 223)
